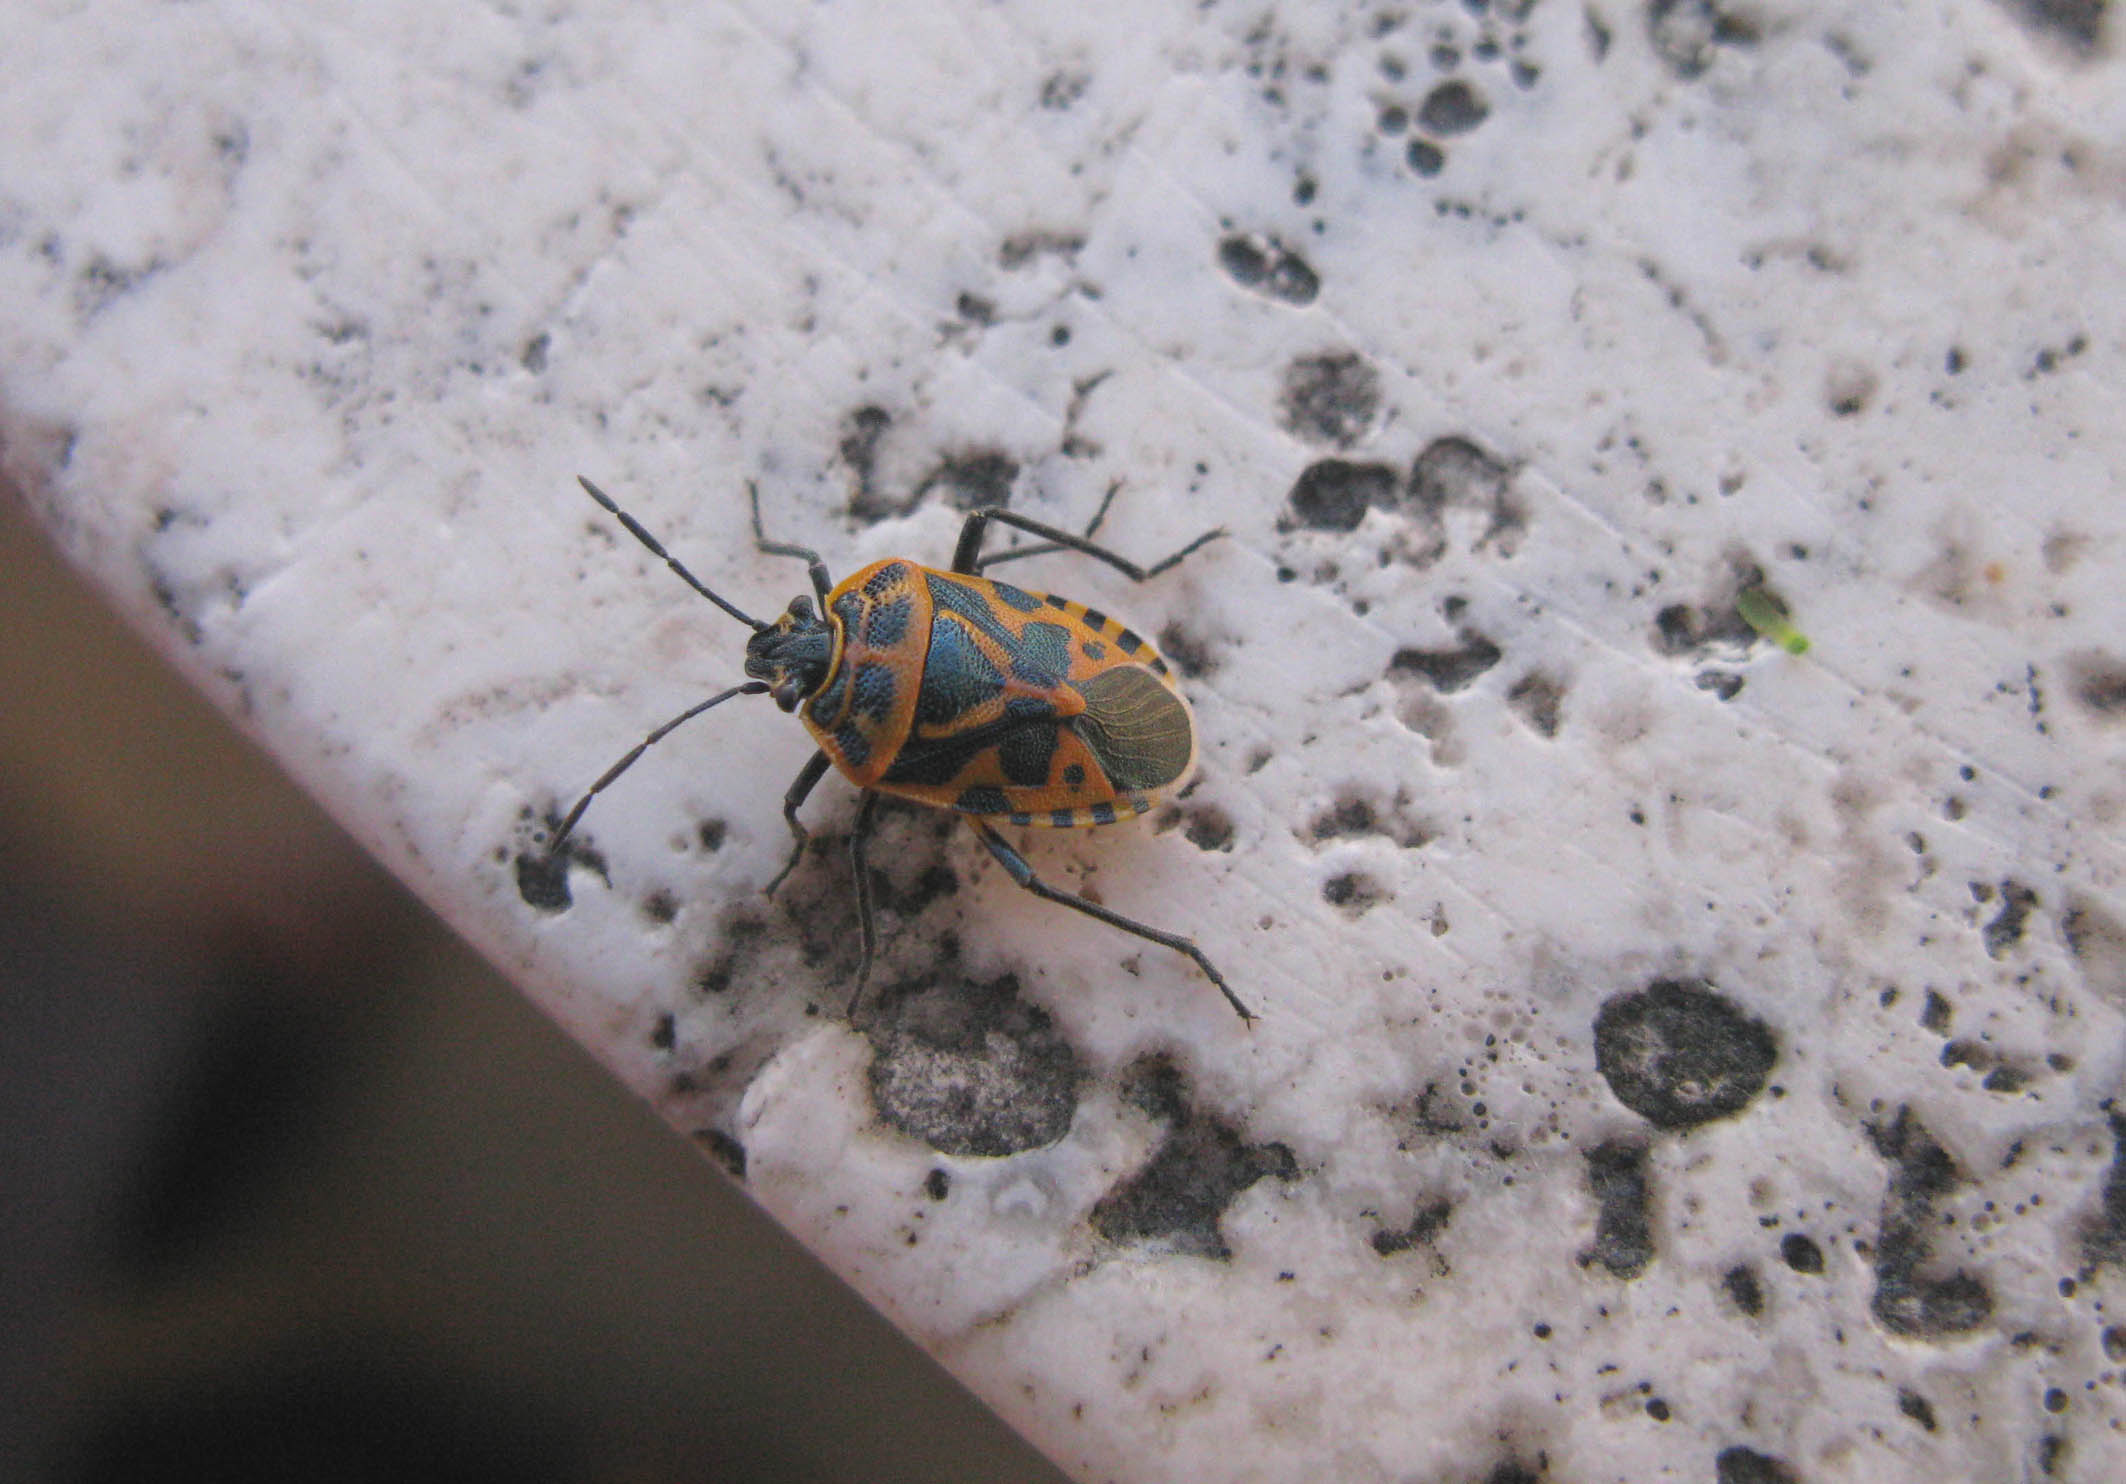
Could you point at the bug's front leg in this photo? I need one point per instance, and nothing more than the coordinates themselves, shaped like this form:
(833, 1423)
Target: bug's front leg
(1023, 874)
(800, 789)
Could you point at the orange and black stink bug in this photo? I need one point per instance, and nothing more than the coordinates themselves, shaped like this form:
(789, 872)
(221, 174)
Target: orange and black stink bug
(945, 687)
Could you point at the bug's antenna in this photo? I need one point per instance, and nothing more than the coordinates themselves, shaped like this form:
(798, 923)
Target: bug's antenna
(635, 529)
(750, 688)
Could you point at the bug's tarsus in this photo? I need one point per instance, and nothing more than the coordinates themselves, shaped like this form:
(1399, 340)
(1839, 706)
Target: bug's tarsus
(1023, 873)
(800, 789)
(859, 837)
(822, 584)
(628, 759)
(636, 529)
(1213, 534)
(1092, 527)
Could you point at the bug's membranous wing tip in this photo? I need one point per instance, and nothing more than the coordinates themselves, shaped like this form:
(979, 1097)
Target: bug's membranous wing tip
(1137, 727)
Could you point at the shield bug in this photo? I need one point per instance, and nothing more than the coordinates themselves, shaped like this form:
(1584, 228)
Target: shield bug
(1006, 706)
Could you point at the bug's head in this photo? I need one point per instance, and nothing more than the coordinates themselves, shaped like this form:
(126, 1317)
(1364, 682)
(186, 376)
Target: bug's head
(792, 654)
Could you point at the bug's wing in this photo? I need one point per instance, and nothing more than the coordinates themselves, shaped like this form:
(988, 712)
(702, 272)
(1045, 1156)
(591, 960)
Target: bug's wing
(1136, 726)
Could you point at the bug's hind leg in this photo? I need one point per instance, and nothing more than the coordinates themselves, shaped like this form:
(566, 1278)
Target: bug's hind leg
(1023, 873)
(967, 556)
(800, 789)
(867, 923)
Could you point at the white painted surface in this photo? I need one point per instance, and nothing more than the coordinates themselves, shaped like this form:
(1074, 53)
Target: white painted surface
(311, 319)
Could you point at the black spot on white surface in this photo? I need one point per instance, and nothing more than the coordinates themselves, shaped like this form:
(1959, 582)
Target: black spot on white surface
(909, 863)
(1330, 398)
(103, 281)
(1017, 251)
(1334, 494)
(1799, 1251)
(1205, 826)
(1743, 1290)
(971, 1069)
(741, 938)
(1624, 1236)
(1724, 684)
(1848, 388)
(1347, 816)
(1175, 1199)
(2005, 929)
(1355, 815)
(1448, 670)
(1454, 473)
(1187, 651)
(2073, 24)
(542, 873)
(1513, 1471)
(1687, 34)
(1353, 893)
(2098, 684)
(1268, 267)
(1453, 107)
(862, 432)
(725, 1149)
(2104, 1236)
(1999, 1076)
(1739, 1465)
(975, 479)
(542, 882)
(2098, 942)
(1684, 629)
(1912, 1297)
(1429, 1220)
(1916, 1407)
(1061, 90)
(1680, 1053)
(1537, 698)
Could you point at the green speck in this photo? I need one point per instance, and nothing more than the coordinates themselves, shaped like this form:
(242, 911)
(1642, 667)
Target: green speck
(1765, 613)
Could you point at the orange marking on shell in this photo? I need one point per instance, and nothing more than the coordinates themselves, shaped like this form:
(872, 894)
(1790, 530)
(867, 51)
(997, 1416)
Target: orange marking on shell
(874, 651)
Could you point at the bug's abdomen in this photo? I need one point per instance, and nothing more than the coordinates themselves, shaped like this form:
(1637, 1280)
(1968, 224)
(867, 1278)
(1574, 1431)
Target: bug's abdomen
(862, 712)
(1038, 710)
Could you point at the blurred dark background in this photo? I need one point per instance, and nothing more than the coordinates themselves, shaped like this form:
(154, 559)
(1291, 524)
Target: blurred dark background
(292, 1187)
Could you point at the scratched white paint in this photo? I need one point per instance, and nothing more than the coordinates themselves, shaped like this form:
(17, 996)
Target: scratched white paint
(311, 321)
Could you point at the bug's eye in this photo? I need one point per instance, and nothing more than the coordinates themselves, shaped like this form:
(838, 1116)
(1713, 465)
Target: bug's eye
(801, 609)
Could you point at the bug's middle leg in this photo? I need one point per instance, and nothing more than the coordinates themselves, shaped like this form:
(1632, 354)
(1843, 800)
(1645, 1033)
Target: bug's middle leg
(800, 789)
(1023, 874)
